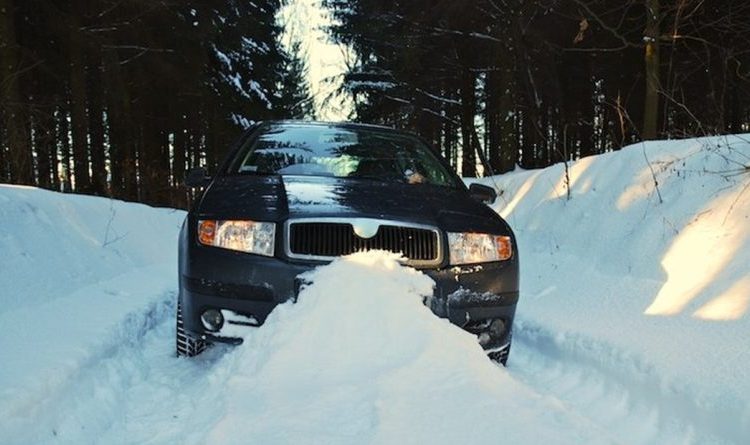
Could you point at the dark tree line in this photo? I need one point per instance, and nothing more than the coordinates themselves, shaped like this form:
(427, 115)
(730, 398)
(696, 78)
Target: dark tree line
(533, 82)
(121, 97)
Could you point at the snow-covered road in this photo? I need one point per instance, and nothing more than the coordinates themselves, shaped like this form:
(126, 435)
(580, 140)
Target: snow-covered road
(632, 327)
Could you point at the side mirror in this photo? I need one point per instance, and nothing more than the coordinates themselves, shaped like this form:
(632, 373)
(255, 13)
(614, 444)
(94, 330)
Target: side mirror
(197, 177)
(483, 193)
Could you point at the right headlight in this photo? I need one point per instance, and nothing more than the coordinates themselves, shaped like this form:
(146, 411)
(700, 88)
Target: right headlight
(472, 248)
(244, 236)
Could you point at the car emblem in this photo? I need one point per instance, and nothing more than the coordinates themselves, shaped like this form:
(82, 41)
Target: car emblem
(365, 228)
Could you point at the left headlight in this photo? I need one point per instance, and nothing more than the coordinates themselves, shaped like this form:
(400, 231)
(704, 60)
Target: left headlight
(244, 236)
(471, 248)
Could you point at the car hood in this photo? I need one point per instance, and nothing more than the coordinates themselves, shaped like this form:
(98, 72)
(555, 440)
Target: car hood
(277, 198)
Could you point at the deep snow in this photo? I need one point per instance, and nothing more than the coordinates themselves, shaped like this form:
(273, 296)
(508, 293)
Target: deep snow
(632, 326)
(79, 276)
(648, 283)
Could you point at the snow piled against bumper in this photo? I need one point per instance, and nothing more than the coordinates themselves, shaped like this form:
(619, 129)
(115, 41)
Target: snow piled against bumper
(360, 359)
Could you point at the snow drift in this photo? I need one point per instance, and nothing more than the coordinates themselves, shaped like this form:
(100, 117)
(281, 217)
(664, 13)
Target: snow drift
(79, 276)
(638, 263)
(362, 360)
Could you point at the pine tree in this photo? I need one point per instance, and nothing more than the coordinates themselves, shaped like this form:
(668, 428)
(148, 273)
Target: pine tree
(294, 100)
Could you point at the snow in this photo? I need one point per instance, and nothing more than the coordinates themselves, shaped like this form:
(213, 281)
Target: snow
(370, 84)
(258, 90)
(654, 294)
(54, 244)
(632, 325)
(222, 57)
(76, 273)
(236, 80)
(252, 45)
(242, 121)
(327, 370)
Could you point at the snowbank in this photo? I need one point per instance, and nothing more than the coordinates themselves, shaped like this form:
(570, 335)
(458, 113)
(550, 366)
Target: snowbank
(55, 243)
(644, 273)
(76, 273)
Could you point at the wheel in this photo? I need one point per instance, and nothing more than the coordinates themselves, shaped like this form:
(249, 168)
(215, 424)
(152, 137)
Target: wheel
(186, 345)
(500, 355)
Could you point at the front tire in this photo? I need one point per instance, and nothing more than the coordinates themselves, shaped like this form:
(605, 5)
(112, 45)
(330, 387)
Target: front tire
(186, 345)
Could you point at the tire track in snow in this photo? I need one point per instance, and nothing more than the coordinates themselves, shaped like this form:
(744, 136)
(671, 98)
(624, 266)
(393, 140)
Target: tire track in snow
(50, 409)
(140, 392)
(617, 391)
(170, 399)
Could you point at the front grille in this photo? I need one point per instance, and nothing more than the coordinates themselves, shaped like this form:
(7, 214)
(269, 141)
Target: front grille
(327, 239)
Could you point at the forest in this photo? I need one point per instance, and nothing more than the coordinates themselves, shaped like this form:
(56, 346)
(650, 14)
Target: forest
(120, 97)
(535, 82)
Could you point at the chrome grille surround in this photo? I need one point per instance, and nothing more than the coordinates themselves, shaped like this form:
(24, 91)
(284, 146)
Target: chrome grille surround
(436, 244)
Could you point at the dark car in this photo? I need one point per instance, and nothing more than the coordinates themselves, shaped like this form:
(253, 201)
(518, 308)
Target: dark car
(294, 195)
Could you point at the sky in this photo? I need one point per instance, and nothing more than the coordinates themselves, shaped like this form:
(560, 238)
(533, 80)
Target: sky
(305, 20)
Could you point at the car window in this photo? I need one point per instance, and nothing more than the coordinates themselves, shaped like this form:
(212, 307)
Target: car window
(318, 150)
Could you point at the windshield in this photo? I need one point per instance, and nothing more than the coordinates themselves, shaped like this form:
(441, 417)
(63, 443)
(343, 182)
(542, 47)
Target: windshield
(319, 150)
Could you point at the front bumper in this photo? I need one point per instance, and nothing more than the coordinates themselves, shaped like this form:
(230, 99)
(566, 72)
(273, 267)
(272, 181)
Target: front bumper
(247, 288)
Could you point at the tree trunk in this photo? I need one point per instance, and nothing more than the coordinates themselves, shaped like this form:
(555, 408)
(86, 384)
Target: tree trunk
(468, 110)
(115, 121)
(447, 127)
(121, 130)
(493, 92)
(45, 128)
(78, 118)
(96, 125)
(503, 148)
(449, 144)
(651, 103)
(3, 162)
(212, 141)
(64, 138)
(154, 176)
(11, 99)
(197, 131)
(54, 155)
(44, 144)
(733, 121)
(179, 165)
(530, 141)
(164, 197)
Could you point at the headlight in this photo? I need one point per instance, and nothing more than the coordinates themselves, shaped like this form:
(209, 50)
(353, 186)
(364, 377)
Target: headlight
(244, 236)
(470, 248)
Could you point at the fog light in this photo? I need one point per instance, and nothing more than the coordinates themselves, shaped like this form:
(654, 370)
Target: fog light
(484, 339)
(497, 328)
(212, 320)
